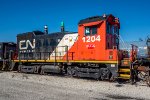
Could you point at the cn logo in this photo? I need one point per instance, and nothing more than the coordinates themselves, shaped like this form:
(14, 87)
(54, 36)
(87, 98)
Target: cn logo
(24, 44)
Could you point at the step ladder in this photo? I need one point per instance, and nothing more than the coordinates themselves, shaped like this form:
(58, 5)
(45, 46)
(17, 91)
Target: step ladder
(124, 69)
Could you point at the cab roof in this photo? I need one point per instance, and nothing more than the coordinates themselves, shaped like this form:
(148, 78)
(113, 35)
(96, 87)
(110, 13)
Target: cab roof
(94, 19)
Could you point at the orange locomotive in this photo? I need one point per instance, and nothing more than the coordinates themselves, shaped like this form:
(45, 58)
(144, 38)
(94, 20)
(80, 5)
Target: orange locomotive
(96, 42)
(92, 52)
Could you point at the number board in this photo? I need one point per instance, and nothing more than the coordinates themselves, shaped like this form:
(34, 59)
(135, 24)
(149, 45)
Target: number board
(95, 38)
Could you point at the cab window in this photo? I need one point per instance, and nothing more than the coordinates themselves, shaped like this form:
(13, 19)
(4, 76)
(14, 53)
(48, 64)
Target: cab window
(113, 29)
(117, 30)
(92, 30)
(108, 28)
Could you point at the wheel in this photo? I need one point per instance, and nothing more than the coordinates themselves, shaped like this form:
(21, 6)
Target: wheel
(144, 77)
(111, 77)
(36, 69)
(104, 73)
(148, 81)
(19, 68)
(42, 72)
(69, 71)
(39, 70)
(141, 75)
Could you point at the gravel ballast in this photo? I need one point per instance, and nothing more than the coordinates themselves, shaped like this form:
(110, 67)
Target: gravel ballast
(20, 86)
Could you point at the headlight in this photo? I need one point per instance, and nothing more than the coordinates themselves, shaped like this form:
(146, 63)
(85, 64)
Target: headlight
(113, 65)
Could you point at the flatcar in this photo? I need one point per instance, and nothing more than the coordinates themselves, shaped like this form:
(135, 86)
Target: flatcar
(93, 51)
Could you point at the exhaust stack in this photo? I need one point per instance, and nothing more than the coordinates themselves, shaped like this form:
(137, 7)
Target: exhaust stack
(46, 29)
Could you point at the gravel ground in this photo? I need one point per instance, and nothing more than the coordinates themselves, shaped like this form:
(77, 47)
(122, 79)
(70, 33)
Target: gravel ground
(19, 86)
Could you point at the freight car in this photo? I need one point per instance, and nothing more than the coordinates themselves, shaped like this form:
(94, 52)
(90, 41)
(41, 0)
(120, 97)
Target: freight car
(92, 52)
(6, 51)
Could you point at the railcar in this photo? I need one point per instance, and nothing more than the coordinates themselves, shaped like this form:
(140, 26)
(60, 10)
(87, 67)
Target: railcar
(93, 51)
(6, 51)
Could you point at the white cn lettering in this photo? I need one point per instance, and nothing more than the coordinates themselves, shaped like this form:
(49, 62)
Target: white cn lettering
(27, 43)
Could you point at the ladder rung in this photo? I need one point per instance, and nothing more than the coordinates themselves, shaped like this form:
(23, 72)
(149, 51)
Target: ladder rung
(124, 75)
(124, 70)
(126, 58)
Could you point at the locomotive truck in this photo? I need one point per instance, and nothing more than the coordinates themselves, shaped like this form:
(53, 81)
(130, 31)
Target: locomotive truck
(93, 52)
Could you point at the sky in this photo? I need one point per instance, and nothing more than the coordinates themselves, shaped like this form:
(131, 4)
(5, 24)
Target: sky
(19, 16)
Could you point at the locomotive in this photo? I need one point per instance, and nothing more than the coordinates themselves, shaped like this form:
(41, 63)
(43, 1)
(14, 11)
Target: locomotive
(93, 51)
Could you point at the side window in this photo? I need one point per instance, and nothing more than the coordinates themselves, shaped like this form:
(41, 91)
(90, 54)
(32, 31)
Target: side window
(113, 29)
(108, 30)
(116, 30)
(117, 41)
(87, 31)
(92, 30)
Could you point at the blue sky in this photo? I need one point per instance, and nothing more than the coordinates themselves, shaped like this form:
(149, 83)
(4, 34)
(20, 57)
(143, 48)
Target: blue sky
(17, 16)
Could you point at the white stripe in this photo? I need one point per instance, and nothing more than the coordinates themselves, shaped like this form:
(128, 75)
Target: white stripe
(67, 40)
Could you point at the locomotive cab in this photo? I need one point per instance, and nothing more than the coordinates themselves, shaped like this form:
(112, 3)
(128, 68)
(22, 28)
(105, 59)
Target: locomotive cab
(98, 38)
(97, 47)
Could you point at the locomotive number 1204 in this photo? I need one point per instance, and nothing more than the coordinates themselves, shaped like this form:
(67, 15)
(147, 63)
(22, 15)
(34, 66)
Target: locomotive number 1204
(91, 38)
